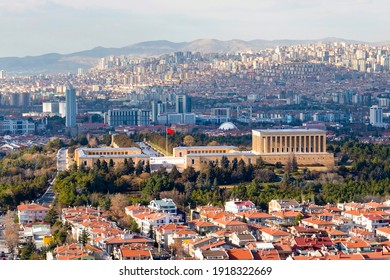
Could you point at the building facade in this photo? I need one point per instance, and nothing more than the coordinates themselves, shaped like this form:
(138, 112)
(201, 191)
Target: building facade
(70, 106)
(308, 146)
(131, 117)
(89, 156)
(8, 126)
(28, 213)
(183, 104)
(376, 116)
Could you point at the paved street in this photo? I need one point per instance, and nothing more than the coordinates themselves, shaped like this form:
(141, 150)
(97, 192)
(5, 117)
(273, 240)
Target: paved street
(62, 159)
(148, 150)
(3, 247)
(62, 162)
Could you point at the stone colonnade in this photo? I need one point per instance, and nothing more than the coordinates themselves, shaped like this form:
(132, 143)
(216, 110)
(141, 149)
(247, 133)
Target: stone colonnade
(293, 144)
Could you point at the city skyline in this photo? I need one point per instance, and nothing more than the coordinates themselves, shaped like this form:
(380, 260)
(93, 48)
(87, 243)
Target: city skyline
(37, 27)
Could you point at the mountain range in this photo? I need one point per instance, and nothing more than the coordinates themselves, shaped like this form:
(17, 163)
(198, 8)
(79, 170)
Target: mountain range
(63, 63)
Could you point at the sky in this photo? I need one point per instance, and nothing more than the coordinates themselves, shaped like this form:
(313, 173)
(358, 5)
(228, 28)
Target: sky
(34, 27)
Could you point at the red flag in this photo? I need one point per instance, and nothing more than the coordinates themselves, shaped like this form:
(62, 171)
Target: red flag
(170, 131)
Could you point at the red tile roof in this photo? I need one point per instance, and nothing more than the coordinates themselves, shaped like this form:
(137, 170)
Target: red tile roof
(32, 207)
(239, 254)
(266, 255)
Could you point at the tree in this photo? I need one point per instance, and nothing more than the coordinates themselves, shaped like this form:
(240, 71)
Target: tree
(123, 141)
(51, 216)
(82, 140)
(107, 138)
(189, 174)
(28, 251)
(105, 166)
(93, 142)
(213, 143)
(298, 220)
(129, 166)
(139, 167)
(147, 167)
(118, 204)
(98, 164)
(294, 164)
(61, 232)
(151, 232)
(189, 140)
(260, 164)
(174, 174)
(224, 162)
(133, 226)
(84, 237)
(11, 232)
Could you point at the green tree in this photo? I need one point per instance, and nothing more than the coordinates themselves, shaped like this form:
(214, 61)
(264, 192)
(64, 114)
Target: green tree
(51, 216)
(28, 251)
(151, 232)
(139, 167)
(133, 226)
(84, 237)
(298, 220)
(111, 164)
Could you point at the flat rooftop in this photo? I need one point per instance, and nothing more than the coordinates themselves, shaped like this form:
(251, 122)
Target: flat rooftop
(289, 130)
(205, 147)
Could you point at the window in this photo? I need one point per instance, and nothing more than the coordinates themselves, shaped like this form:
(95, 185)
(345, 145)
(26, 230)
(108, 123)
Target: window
(192, 161)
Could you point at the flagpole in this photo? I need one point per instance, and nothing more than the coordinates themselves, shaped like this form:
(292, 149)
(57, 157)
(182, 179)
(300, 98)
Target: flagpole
(166, 141)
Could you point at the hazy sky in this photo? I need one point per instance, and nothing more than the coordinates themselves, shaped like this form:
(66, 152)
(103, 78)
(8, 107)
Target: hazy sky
(32, 27)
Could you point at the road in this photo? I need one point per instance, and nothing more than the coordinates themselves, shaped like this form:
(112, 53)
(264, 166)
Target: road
(3, 247)
(148, 150)
(62, 163)
(62, 159)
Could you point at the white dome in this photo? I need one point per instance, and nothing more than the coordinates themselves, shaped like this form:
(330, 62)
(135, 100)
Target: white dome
(227, 126)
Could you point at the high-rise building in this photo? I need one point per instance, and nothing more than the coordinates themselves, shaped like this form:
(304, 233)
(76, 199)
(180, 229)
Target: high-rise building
(24, 99)
(157, 109)
(131, 117)
(62, 109)
(70, 106)
(154, 111)
(376, 115)
(2, 74)
(183, 104)
(80, 71)
(50, 107)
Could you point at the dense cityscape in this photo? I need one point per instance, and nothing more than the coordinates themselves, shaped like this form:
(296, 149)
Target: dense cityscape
(279, 154)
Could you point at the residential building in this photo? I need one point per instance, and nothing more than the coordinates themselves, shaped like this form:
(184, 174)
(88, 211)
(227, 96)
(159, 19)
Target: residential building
(277, 205)
(166, 205)
(28, 213)
(376, 116)
(236, 206)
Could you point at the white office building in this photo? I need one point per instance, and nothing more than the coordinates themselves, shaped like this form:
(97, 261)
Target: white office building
(376, 116)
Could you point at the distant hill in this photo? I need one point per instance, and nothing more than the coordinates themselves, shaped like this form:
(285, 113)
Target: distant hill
(63, 63)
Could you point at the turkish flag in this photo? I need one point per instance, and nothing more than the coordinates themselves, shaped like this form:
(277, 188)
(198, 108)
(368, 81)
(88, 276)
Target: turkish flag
(170, 131)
